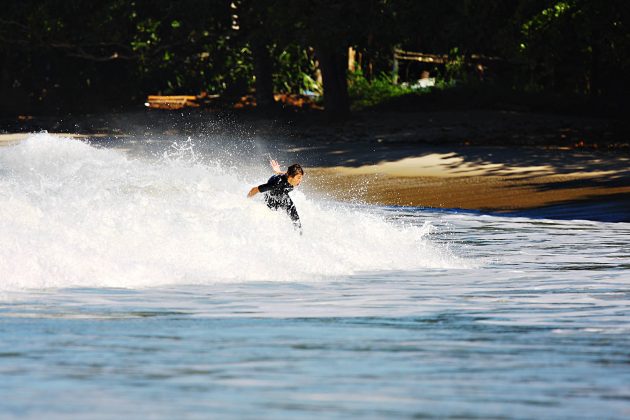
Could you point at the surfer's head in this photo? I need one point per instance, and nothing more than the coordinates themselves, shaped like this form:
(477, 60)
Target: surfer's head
(295, 174)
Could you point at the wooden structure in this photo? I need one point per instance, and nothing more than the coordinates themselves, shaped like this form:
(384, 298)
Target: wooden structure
(172, 102)
(421, 57)
(439, 58)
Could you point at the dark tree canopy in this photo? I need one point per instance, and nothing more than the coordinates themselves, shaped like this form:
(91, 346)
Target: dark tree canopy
(81, 56)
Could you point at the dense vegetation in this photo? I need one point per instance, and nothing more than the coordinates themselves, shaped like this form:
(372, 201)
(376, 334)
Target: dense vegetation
(80, 56)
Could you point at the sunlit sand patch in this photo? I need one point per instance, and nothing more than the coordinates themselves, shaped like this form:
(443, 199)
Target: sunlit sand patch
(442, 164)
(446, 180)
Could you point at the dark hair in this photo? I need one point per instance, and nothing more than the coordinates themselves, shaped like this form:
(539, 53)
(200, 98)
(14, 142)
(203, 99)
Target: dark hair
(294, 170)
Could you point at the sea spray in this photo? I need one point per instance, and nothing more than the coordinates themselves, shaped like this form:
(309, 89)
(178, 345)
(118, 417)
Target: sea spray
(77, 215)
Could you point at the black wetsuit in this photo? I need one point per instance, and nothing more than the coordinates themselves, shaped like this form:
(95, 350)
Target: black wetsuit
(277, 197)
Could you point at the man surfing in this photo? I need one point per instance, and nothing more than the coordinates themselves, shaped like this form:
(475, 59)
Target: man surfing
(277, 190)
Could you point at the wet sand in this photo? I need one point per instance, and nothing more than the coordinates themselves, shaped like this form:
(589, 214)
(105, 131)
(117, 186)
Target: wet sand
(487, 193)
(449, 181)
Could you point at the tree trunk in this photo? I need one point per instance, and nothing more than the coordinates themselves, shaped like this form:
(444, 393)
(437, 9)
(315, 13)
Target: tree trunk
(334, 63)
(264, 76)
(593, 87)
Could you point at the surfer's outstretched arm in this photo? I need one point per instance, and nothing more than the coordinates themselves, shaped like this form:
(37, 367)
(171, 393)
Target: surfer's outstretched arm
(263, 188)
(275, 166)
(253, 192)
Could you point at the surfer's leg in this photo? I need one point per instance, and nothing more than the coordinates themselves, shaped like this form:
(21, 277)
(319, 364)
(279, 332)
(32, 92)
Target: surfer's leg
(293, 214)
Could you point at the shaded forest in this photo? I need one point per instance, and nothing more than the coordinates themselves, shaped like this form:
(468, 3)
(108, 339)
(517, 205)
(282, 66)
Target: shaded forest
(77, 56)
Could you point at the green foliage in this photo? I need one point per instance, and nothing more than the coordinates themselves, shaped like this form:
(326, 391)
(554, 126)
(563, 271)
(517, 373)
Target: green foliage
(455, 68)
(61, 56)
(365, 93)
(575, 46)
(295, 70)
(544, 43)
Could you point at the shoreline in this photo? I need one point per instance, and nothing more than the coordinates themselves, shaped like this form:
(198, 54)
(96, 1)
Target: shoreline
(543, 197)
(444, 160)
(452, 180)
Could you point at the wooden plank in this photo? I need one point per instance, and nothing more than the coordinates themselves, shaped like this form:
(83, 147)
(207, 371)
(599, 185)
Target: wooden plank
(171, 101)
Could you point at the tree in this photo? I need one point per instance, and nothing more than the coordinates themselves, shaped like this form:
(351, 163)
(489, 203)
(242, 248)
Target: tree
(330, 27)
(255, 23)
(578, 46)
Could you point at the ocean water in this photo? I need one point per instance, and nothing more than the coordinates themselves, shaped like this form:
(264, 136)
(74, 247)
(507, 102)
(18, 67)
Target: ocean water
(139, 282)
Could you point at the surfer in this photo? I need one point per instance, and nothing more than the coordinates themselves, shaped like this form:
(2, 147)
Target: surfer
(277, 190)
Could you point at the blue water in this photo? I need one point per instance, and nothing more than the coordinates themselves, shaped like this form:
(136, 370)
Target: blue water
(116, 302)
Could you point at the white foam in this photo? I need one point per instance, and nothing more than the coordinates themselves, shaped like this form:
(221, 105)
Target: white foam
(77, 215)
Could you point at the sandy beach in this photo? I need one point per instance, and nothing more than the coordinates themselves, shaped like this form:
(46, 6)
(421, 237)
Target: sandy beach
(449, 180)
(494, 161)
(454, 160)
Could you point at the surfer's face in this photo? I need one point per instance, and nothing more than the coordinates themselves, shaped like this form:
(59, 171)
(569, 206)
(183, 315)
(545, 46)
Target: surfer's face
(295, 180)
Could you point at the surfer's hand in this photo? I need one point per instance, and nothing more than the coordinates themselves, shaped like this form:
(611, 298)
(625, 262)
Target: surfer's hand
(252, 192)
(275, 166)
